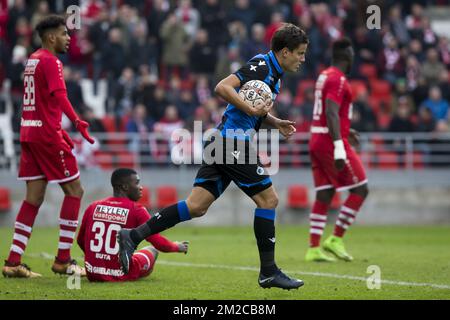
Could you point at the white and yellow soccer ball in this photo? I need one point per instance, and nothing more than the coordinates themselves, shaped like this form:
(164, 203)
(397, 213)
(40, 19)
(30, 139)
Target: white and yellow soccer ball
(254, 92)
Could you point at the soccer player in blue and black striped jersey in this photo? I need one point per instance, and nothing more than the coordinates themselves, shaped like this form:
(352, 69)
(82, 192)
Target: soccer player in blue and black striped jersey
(240, 120)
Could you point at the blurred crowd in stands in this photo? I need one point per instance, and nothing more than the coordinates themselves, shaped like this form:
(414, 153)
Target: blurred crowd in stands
(161, 59)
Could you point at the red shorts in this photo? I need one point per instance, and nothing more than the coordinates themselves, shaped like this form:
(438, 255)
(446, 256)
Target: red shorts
(53, 162)
(141, 265)
(326, 175)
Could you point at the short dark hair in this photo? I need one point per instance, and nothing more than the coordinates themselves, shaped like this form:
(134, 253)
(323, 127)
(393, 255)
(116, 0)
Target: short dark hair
(288, 36)
(339, 49)
(119, 176)
(49, 23)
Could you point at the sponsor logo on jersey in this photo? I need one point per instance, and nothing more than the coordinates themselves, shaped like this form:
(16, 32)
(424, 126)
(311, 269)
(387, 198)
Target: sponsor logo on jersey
(31, 65)
(30, 123)
(111, 214)
(103, 271)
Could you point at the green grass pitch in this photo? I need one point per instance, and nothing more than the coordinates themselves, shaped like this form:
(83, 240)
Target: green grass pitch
(222, 264)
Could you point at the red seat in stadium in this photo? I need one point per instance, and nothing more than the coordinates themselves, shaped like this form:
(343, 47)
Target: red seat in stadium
(367, 159)
(374, 104)
(104, 160)
(380, 88)
(298, 197)
(109, 123)
(300, 92)
(357, 86)
(368, 70)
(125, 159)
(166, 196)
(336, 201)
(383, 120)
(418, 162)
(146, 200)
(388, 160)
(5, 200)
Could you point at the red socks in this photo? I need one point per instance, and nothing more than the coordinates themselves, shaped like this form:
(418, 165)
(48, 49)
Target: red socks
(317, 221)
(348, 213)
(22, 232)
(68, 223)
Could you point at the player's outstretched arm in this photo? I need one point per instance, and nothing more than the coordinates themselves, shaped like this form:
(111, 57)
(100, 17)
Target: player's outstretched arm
(66, 107)
(334, 127)
(163, 244)
(183, 246)
(226, 89)
(286, 127)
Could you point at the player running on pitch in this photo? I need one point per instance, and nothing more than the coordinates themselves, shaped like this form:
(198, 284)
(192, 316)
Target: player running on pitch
(335, 165)
(46, 150)
(288, 48)
(104, 218)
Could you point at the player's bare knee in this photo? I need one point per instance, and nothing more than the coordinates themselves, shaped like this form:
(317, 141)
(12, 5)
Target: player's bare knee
(270, 202)
(362, 191)
(79, 192)
(35, 200)
(325, 196)
(197, 211)
(73, 190)
(197, 208)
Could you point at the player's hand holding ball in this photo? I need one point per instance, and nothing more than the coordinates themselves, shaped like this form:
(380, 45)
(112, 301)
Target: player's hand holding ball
(258, 95)
(261, 108)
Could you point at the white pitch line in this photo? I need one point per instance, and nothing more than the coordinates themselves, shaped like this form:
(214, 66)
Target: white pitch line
(316, 274)
(48, 256)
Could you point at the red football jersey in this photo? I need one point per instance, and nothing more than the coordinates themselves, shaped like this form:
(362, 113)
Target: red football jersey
(331, 84)
(97, 236)
(41, 114)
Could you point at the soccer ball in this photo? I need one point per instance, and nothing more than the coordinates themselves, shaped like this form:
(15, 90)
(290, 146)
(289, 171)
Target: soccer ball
(255, 91)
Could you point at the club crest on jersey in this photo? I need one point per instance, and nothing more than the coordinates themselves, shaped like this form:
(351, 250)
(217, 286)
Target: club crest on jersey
(260, 171)
(111, 214)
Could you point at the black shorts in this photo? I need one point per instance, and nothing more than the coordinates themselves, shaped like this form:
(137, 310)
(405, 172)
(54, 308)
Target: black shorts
(240, 164)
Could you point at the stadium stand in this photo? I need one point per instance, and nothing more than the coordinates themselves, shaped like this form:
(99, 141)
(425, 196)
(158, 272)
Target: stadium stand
(5, 199)
(165, 196)
(120, 61)
(146, 199)
(298, 197)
